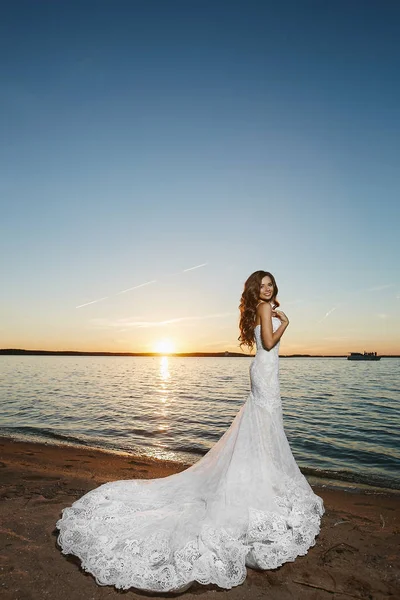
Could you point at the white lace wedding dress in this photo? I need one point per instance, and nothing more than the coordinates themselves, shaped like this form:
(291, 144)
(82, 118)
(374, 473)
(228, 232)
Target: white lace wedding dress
(245, 503)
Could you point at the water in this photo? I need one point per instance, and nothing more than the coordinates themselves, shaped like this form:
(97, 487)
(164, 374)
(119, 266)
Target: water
(341, 417)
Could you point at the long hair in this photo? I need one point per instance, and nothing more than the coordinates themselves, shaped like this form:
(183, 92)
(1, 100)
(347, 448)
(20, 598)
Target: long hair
(248, 305)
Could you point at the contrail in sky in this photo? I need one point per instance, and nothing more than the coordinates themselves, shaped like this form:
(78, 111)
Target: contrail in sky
(380, 287)
(192, 268)
(135, 287)
(92, 302)
(328, 313)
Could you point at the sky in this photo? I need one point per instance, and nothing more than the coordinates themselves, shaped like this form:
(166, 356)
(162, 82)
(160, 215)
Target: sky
(155, 153)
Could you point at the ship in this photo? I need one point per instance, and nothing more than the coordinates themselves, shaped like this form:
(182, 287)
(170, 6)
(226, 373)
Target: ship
(365, 356)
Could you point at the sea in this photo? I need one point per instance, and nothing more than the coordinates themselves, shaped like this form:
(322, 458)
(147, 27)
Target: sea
(341, 418)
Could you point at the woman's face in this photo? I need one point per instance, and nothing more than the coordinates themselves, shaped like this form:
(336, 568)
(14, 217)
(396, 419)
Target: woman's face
(266, 289)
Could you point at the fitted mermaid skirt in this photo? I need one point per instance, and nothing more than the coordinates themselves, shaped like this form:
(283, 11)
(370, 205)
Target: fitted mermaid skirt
(244, 504)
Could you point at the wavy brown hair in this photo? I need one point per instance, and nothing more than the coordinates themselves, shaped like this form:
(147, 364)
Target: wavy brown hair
(248, 305)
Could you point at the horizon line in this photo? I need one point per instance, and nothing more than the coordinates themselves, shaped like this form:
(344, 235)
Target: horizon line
(228, 353)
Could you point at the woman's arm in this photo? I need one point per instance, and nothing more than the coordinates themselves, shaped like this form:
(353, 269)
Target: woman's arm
(269, 337)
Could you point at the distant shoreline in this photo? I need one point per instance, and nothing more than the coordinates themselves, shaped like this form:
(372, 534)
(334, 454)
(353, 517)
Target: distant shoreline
(22, 352)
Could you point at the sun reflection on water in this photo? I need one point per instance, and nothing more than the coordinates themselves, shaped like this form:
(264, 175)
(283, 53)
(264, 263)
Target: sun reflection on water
(164, 370)
(163, 417)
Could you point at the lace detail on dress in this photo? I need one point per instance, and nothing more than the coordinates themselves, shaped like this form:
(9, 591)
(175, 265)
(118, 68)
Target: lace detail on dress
(264, 372)
(105, 541)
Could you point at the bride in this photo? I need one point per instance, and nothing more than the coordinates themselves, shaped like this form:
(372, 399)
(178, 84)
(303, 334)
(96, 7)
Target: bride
(244, 504)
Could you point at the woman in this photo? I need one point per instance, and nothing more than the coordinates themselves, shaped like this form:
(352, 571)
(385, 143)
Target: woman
(244, 504)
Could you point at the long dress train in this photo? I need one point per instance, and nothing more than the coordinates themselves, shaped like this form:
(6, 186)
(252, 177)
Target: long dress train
(244, 504)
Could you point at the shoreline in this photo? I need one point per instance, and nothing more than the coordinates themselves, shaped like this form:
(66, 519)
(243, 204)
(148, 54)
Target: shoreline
(323, 480)
(356, 552)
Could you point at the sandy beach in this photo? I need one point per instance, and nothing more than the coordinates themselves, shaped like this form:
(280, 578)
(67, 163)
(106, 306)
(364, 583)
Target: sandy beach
(356, 554)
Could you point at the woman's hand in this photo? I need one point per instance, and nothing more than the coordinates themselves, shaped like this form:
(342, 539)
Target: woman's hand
(281, 315)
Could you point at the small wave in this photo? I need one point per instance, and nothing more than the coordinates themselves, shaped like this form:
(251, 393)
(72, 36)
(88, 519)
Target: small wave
(196, 449)
(373, 480)
(42, 433)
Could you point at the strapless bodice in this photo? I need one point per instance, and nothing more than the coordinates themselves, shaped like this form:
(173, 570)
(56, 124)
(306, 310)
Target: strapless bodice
(257, 334)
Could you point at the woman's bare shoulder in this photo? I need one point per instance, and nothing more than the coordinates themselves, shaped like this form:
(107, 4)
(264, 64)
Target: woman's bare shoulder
(264, 309)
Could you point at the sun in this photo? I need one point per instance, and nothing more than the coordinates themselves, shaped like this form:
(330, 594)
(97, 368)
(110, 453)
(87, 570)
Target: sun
(165, 346)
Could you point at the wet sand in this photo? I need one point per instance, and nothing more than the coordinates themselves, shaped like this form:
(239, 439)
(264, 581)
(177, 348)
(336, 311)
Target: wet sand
(356, 554)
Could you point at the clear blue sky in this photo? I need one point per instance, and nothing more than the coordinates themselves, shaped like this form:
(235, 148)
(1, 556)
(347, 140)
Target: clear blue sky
(142, 138)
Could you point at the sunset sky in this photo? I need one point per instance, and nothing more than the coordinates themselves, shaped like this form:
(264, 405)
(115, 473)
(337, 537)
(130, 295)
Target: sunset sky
(155, 153)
